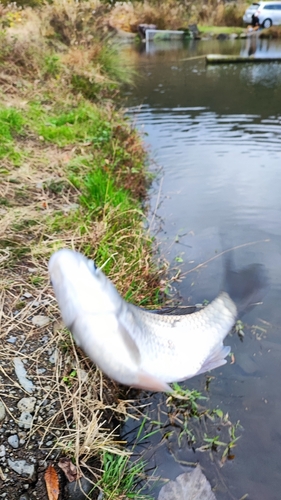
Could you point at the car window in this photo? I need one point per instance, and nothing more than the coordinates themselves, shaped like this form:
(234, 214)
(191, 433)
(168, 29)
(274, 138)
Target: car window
(276, 6)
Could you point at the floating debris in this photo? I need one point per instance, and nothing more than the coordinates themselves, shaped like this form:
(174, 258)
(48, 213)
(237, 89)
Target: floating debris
(191, 485)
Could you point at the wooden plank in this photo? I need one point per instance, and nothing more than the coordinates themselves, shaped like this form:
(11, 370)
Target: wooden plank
(219, 58)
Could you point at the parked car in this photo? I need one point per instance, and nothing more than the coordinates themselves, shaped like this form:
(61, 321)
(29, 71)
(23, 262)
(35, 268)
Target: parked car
(268, 13)
(247, 18)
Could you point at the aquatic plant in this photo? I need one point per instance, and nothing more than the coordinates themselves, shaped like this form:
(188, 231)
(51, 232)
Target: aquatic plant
(122, 477)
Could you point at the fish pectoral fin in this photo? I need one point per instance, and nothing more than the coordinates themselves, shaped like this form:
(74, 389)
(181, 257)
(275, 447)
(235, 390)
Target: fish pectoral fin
(215, 359)
(151, 383)
(129, 342)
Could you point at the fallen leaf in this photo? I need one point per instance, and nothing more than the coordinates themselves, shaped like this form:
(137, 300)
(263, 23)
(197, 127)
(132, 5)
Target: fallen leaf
(52, 483)
(69, 469)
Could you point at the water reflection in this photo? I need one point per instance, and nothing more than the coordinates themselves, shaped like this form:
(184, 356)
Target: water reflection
(216, 132)
(261, 47)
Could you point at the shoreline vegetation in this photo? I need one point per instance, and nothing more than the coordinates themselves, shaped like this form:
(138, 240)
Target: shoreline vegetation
(73, 173)
(175, 15)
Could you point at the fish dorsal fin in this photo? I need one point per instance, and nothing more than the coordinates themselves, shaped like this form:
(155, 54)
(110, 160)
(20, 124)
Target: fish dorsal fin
(129, 342)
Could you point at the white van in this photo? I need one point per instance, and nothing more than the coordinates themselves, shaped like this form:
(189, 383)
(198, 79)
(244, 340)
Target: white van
(268, 13)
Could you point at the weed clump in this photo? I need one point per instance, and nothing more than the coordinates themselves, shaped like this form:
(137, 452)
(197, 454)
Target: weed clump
(122, 477)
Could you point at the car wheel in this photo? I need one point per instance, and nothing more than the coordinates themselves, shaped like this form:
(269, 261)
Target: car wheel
(267, 23)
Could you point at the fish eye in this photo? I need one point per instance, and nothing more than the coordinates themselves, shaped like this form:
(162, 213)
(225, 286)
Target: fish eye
(92, 266)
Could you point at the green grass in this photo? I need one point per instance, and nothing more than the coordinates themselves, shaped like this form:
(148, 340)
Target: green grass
(220, 29)
(83, 124)
(102, 193)
(186, 399)
(121, 477)
(107, 173)
(114, 64)
(51, 65)
(11, 124)
(11, 121)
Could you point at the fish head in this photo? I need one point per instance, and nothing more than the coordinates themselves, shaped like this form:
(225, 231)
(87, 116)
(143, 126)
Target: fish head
(80, 286)
(100, 320)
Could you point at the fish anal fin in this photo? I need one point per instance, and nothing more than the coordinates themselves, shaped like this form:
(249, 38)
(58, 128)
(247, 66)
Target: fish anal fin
(151, 383)
(216, 359)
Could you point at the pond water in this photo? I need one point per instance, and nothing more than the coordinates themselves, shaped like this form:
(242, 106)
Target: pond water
(216, 133)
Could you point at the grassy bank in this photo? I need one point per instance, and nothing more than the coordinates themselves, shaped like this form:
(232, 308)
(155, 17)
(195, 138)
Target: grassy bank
(72, 174)
(216, 30)
(273, 32)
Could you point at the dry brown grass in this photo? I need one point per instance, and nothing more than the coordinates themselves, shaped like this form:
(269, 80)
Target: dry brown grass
(68, 21)
(83, 403)
(172, 14)
(80, 62)
(222, 14)
(166, 15)
(273, 32)
(77, 409)
(66, 42)
(72, 22)
(85, 408)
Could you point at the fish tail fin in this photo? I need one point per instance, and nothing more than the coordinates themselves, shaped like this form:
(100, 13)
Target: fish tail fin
(247, 286)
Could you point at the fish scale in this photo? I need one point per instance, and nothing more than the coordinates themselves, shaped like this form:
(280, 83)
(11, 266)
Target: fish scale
(176, 347)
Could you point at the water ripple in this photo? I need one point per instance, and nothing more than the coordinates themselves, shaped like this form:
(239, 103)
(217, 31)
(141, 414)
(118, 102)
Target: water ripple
(206, 127)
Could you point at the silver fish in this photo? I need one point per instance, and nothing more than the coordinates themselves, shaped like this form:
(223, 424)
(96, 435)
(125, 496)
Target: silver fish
(133, 346)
